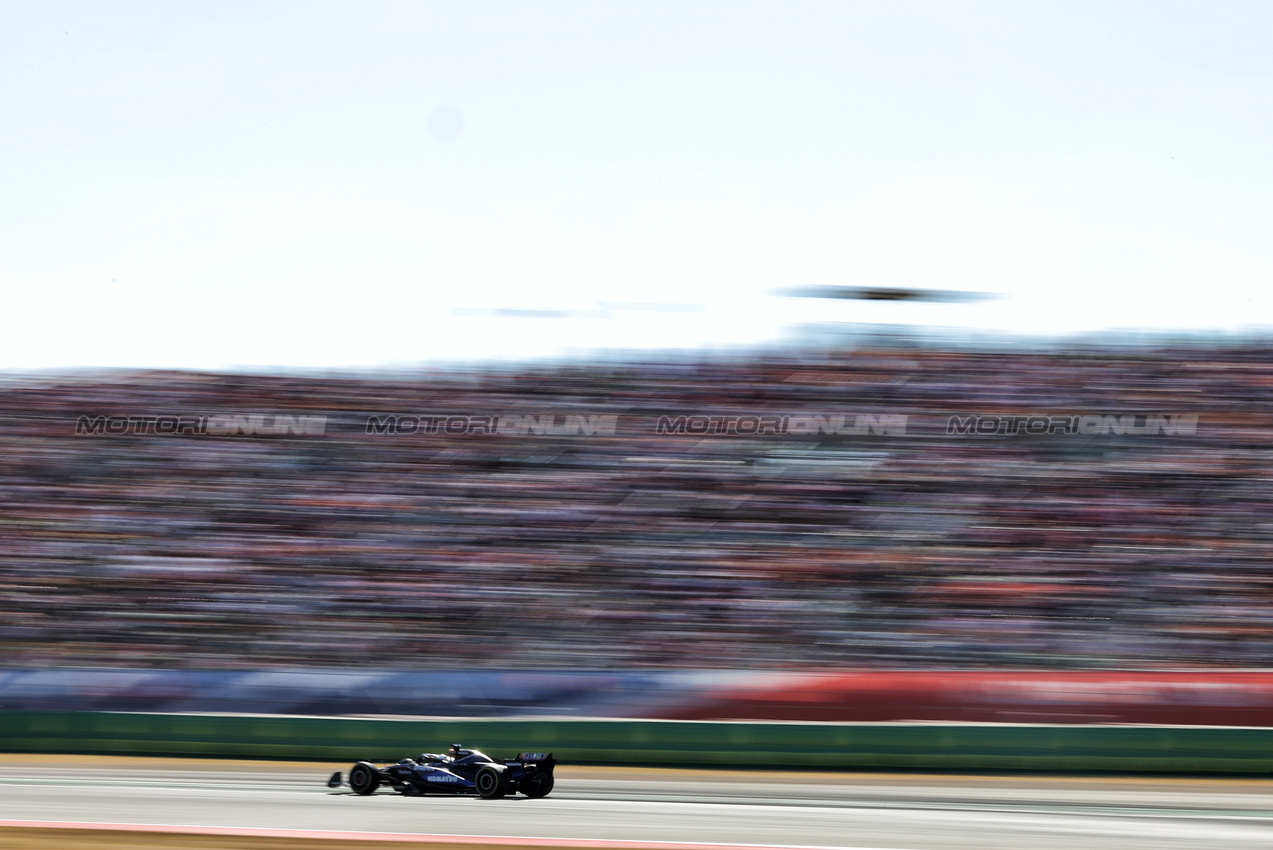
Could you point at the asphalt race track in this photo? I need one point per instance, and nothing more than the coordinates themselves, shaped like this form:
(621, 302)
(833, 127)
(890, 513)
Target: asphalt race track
(599, 804)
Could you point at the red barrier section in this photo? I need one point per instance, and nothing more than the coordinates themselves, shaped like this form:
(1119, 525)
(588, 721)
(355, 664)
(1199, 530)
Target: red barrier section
(1188, 698)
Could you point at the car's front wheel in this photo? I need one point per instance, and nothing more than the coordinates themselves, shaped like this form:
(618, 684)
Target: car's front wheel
(491, 782)
(364, 779)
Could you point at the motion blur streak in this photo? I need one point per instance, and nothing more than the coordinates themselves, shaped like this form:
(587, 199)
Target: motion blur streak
(623, 547)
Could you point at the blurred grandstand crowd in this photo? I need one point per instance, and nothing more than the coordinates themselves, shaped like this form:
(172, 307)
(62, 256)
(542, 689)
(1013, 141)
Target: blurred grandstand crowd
(640, 549)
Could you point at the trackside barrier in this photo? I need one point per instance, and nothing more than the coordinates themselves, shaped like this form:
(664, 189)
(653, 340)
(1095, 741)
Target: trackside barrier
(1108, 697)
(905, 746)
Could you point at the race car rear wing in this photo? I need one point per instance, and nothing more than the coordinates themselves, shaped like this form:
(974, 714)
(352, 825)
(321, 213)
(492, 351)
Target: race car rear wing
(536, 758)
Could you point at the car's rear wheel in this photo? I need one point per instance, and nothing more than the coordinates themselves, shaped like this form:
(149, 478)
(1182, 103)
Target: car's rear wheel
(541, 787)
(491, 782)
(363, 778)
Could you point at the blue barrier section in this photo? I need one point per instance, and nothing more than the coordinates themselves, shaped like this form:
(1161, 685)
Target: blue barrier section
(442, 693)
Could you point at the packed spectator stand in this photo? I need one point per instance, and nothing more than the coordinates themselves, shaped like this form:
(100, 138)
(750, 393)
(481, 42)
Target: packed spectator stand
(915, 548)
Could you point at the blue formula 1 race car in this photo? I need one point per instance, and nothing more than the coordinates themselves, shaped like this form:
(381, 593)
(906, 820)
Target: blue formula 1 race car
(458, 771)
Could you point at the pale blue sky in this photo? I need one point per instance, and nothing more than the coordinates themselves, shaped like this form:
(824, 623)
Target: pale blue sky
(347, 184)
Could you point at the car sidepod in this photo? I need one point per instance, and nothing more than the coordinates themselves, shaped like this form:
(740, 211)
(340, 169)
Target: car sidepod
(415, 779)
(441, 779)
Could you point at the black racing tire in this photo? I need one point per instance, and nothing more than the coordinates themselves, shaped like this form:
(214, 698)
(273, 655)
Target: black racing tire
(364, 779)
(492, 781)
(539, 788)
